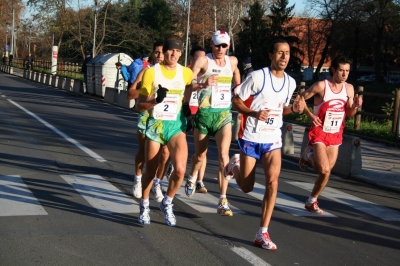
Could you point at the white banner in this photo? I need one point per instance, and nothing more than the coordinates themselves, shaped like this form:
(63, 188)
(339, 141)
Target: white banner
(54, 56)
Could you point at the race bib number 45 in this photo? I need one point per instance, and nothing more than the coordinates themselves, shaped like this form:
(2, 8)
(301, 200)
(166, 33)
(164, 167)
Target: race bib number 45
(272, 122)
(167, 109)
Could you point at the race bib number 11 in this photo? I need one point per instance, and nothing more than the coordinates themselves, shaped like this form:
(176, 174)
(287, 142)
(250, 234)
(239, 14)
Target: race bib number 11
(333, 121)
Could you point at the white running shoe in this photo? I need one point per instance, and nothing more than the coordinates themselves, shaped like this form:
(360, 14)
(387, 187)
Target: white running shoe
(137, 189)
(190, 188)
(158, 195)
(169, 213)
(200, 187)
(263, 240)
(228, 169)
(144, 217)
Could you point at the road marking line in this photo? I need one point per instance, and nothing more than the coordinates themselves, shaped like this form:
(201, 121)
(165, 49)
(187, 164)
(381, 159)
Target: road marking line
(354, 202)
(333, 176)
(201, 202)
(283, 202)
(76, 143)
(101, 194)
(16, 199)
(252, 258)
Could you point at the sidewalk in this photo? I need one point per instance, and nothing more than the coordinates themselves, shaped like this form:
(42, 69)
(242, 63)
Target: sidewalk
(380, 163)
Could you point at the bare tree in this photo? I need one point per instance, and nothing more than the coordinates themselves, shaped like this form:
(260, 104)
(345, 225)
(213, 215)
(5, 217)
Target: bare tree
(381, 13)
(335, 12)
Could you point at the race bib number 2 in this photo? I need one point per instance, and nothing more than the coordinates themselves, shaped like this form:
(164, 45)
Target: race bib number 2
(168, 108)
(194, 101)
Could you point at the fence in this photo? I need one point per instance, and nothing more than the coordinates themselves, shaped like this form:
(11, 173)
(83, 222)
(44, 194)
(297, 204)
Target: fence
(67, 69)
(393, 118)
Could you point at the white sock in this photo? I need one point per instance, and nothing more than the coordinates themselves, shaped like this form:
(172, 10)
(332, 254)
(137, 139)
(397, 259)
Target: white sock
(309, 154)
(192, 179)
(199, 181)
(262, 230)
(138, 178)
(311, 199)
(221, 197)
(145, 202)
(156, 181)
(167, 200)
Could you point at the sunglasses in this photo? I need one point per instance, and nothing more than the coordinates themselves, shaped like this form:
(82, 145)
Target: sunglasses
(224, 45)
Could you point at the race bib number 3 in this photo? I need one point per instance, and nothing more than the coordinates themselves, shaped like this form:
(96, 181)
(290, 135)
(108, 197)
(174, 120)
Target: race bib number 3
(221, 96)
(272, 123)
(333, 121)
(167, 109)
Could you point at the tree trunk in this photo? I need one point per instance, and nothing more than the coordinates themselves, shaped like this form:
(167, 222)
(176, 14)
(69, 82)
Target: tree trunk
(323, 55)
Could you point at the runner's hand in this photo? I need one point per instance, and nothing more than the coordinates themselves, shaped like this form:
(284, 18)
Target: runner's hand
(186, 110)
(161, 93)
(212, 80)
(262, 115)
(358, 100)
(315, 121)
(189, 126)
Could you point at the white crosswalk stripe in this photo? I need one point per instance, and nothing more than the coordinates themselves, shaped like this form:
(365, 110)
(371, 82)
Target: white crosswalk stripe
(283, 202)
(205, 203)
(101, 194)
(16, 199)
(354, 202)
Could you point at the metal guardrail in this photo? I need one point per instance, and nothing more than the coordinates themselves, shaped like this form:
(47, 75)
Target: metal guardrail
(67, 69)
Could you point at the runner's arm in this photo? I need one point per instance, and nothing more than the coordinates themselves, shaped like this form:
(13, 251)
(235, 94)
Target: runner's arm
(146, 97)
(354, 101)
(316, 90)
(133, 92)
(199, 65)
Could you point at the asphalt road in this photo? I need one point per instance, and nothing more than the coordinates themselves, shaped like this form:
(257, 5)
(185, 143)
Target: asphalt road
(66, 173)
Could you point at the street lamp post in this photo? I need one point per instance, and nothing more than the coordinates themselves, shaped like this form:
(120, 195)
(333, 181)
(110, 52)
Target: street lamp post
(95, 9)
(187, 34)
(29, 43)
(12, 33)
(15, 41)
(7, 30)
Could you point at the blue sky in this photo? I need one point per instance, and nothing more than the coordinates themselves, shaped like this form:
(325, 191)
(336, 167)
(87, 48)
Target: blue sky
(299, 8)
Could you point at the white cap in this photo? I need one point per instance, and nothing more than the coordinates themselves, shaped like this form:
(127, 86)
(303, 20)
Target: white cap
(220, 37)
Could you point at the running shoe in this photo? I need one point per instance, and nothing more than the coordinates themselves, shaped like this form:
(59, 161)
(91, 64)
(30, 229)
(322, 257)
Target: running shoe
(144, 217)
(169, 171)
(228, 169)
(190, 188)
(313, 207)
(169, 213)
(304, 162)
(158, 195)
(223, 208)
(137, 189)
(200, 188)
(263, 240)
